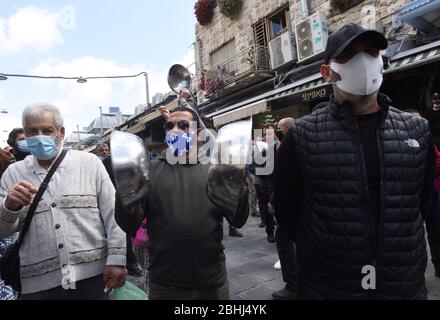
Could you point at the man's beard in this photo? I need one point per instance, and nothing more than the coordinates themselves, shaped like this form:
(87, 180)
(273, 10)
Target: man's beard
(355, 99)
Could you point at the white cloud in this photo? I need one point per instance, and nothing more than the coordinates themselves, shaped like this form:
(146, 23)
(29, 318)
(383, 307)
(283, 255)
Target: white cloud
(80, 103)
(187, 61)
(30, 29)
(7, 123)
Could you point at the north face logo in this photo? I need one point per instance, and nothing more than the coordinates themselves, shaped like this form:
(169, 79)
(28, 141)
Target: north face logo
(412, 143)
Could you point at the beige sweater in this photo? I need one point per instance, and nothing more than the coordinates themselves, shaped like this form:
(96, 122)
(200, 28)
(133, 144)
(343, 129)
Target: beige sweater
(73, 234)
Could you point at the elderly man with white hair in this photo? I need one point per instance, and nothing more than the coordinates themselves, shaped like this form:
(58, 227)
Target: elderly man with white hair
(73, 247)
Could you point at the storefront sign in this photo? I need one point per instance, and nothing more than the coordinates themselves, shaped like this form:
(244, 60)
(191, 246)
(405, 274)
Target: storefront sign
(314, 95)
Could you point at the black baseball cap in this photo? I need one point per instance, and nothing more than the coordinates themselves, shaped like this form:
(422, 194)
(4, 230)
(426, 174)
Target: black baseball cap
(341, 39)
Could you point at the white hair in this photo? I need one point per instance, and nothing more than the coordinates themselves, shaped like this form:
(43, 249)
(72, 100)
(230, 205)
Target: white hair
(36, 110)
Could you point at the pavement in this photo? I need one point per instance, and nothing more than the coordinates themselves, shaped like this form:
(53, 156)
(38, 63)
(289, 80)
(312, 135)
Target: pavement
(250, 263)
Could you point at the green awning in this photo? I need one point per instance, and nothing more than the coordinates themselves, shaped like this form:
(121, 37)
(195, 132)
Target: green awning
(416, 59)
(306, 86)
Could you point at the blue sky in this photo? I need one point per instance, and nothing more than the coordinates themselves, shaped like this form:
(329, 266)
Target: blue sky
(89, 38)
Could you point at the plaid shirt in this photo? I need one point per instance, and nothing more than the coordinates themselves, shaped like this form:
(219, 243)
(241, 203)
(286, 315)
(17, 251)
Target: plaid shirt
(6, 292)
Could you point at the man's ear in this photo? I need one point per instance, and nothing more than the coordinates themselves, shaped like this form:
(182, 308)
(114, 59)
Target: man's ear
(199, 134)
(63, 132)
(325, 72)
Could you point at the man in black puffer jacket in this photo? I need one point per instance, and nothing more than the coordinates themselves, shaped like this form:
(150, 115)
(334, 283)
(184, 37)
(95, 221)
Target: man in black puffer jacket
(354, 182)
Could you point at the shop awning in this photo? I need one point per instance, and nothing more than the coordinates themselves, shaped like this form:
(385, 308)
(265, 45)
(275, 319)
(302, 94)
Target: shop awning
(140, 125)
(301, 88)
(259, 104)
(241, 113)
(415, 57)
(424, 15)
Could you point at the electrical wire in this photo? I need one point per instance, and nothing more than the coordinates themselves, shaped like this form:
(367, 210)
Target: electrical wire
(71, 78)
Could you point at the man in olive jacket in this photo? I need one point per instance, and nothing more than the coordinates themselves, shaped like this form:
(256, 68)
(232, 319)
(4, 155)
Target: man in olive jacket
(184, 222)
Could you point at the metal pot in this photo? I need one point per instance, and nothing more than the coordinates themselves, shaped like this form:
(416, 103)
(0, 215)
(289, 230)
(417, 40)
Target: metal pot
(131, 167)
(179, 78)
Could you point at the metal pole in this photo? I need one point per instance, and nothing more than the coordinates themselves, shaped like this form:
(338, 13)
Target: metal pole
(147, 89)
(305, 8)
(101, 124)
(79, 137)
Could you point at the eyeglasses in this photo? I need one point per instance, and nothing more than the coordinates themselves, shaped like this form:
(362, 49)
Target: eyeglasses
(182, 124)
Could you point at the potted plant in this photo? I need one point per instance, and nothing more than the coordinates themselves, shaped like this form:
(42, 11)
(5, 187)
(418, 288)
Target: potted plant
(230, 8)
(214, 86)
(202, 83)
(250, 59)
(204, 11)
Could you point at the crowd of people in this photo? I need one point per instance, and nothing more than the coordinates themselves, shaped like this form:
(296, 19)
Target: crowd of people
(354, 187)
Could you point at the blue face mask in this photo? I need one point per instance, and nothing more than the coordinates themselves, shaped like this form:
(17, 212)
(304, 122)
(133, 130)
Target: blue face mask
(42, 147)
(101, 158)
(22, 146)
(180, 142)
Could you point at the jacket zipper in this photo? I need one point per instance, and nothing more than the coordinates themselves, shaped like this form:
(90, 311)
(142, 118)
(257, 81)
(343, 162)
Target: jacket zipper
(380, 231)
(373, 237)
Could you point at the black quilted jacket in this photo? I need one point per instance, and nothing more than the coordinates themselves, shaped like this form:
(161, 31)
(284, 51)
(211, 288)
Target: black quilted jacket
(321, 196)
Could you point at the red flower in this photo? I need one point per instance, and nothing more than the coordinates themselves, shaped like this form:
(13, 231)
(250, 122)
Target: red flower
(204, 11)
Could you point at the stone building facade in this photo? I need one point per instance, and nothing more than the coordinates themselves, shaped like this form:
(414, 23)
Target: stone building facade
(222, 30)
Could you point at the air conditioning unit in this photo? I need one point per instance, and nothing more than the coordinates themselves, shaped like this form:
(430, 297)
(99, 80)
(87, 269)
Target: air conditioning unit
(311, 36)
(282, 50)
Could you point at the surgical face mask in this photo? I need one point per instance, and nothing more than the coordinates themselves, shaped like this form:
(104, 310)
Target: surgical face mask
(102, 158)
(280, 135)
(22, 146)
(180, 142)
(362, 75)
(42, 147)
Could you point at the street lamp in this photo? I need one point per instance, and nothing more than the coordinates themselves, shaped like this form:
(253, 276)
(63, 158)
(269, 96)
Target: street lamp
(4, 76)
(101, 124)
(147, 89)
(145, 74)
(79, 137)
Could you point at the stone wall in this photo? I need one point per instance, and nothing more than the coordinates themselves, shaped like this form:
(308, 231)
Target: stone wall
(222, 30)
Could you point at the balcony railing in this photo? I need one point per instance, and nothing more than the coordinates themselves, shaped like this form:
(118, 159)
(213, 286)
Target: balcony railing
(237, 70)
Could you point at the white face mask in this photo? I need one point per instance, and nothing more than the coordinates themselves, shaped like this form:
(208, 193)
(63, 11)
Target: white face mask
(362, 75)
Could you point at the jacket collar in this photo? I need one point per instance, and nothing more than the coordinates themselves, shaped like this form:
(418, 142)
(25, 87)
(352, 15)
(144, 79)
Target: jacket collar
(344, 112)
(34, 166)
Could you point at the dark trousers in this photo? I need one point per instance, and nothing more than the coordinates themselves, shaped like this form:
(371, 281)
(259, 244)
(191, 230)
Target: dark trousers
(88, 289)
(263, 195)
(433, 231)
(131, 257)
(161, 292)
(287, 254)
